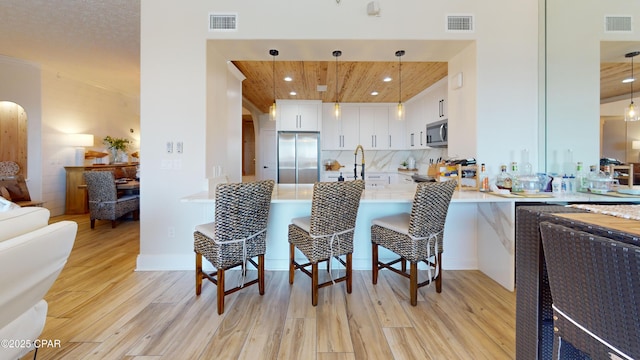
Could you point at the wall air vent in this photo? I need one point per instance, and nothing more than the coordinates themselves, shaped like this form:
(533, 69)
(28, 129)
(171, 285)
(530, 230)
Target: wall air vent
(223, 22)
(613, 23)
(460, 23)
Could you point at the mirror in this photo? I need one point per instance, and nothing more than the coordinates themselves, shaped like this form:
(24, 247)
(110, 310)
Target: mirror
(618, 136)
(570, 61)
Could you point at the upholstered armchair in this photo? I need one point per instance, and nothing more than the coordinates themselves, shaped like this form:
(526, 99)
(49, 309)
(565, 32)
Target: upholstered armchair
(104, 203)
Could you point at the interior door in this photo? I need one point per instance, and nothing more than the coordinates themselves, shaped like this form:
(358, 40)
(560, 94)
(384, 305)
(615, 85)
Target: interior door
(268, 154)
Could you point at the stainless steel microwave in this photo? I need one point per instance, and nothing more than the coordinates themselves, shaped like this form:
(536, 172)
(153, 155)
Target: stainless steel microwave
(437, 134)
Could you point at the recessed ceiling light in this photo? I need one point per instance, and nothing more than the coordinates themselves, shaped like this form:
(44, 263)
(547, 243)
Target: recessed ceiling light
(293, 93)
(374, 93)
(288, 78)
(387, 79)
(628, 80)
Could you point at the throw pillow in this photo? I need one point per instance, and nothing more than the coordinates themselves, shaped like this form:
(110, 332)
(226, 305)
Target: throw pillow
(6, 205)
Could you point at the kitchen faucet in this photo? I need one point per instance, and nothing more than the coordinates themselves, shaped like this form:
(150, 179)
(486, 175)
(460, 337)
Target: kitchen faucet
(355, 165)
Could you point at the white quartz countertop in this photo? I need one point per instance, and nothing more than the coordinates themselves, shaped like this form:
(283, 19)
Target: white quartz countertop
(283, 193)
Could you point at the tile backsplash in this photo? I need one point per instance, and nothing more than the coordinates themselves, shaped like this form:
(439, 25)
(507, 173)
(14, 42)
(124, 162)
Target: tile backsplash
(383, 160)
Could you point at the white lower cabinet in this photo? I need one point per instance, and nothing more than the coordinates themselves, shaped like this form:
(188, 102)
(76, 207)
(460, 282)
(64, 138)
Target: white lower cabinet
(404, 178)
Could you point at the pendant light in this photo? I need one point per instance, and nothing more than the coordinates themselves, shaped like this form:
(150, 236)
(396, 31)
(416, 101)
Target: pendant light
(272, 109)
(400, 112)
(336, 106)
(631, 112)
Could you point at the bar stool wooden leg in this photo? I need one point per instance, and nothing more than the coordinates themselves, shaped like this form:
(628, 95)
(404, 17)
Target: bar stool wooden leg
(413, 283)
(220, 291)
(374, 263)
(198, 273)
(261, 274)
(349, 273)
(314, 284)
(439, 278)
(292, 268)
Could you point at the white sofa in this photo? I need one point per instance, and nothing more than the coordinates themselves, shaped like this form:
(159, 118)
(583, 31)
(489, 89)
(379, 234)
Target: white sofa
(32, 254)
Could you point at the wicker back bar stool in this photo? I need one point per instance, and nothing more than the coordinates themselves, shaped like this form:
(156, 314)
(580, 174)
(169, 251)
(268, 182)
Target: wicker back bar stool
(327, 233)
(415, 237)
(237, 235)
(595, 285)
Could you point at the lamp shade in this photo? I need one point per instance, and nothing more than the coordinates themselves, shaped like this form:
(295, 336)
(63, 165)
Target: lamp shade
(80, 140)
(635, 144)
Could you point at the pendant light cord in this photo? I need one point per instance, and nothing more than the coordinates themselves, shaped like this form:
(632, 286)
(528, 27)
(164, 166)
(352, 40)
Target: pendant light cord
(632, 55)
(632, 79)
(399, 54)
(337, 53)
(400, 78)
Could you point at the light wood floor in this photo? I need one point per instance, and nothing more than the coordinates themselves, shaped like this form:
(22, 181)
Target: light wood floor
(100, 308)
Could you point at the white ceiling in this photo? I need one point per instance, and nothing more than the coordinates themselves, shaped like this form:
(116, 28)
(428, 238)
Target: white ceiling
(98, 41)
(95, 41)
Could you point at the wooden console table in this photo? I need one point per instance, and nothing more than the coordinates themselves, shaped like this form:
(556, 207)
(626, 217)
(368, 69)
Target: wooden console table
(76, 201)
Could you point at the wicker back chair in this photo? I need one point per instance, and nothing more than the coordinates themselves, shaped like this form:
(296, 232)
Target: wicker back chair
(595, 285)
(416, 237)
(327, 233)
(104, 203)
(237, 235)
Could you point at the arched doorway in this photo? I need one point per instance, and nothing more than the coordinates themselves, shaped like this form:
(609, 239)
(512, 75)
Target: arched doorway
(13, 142)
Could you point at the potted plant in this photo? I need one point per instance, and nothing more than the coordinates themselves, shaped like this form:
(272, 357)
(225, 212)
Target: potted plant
(403, 165)
(117, 147)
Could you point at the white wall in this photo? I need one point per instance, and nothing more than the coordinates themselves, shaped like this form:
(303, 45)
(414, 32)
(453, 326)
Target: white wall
(174, 65)
(73, 107)
(462, 106)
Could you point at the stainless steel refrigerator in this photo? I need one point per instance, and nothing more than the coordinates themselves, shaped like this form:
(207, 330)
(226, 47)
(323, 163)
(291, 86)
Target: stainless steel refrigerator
(298, 157)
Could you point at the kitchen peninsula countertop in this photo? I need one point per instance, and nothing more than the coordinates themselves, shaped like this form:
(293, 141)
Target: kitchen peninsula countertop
(404, 193)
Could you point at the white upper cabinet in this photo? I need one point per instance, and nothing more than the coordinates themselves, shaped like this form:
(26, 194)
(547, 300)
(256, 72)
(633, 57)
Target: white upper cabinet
(427, 107)
(299, 115)
(416, 122)
(374, 127)
(371, 125)
(397, 131)
(440, 99)
(340, 134)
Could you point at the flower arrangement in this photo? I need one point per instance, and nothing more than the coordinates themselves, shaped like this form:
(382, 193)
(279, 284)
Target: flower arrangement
(112, 143)
(118, 148)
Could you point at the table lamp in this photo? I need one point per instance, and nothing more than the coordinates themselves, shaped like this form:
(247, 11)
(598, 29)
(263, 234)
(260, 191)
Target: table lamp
(80, 141)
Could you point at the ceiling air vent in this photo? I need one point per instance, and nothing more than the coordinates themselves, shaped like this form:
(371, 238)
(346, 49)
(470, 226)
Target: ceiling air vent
(223, 22)
(617, 23)
(460, 23)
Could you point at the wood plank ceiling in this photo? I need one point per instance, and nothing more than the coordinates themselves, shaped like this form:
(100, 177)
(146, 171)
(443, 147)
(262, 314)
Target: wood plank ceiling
(356, 80)
(611, 76)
